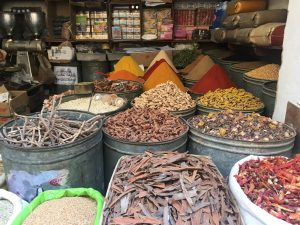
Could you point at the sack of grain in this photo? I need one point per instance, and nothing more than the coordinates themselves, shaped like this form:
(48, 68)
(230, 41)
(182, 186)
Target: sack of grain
(63, 207)
(270, 34)
(10, 206)
(231, 22)
(243, 35)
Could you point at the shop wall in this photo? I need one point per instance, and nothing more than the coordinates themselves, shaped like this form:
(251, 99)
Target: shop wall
(278, 4)
(289, 77)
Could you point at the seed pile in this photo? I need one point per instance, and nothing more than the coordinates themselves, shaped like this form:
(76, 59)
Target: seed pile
(240, 126)
(116, 86)
(144, 125)
(267, 72)
(99, 104)
(6, 211)
(273, 184)
(64, 211)
(231, 98)
(47, 129)
(165, 96)
(169, 188)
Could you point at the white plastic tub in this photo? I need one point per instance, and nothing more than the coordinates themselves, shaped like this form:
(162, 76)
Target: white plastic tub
(251, 213)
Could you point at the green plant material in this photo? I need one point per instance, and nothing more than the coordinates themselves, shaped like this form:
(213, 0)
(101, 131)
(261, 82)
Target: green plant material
(184, 58)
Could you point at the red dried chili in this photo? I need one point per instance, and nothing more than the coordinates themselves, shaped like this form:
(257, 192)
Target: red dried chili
(274, 185)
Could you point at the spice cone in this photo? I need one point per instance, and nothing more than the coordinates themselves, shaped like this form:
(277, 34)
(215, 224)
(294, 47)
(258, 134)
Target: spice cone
(200, 69)
(129, 64)
(163, 55)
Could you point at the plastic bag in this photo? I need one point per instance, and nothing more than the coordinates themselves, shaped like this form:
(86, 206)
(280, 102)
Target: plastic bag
(57, 194)
(251, 213)
(17, 203)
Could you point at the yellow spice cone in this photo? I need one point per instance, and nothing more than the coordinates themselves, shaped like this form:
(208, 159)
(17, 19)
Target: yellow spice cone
(129, 64)
(163, 55)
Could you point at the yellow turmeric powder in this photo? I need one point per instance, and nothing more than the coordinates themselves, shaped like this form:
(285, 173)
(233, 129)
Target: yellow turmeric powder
(162, 74)
(129, 64)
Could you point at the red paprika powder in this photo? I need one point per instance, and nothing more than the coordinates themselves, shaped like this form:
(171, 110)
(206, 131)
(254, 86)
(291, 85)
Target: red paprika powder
(215, 78)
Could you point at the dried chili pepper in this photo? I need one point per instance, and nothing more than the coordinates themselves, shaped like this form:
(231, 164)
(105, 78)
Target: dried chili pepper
(273, 184)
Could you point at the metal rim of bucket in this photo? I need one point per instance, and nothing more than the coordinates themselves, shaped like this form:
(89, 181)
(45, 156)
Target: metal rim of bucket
(211, 109)
(268, 90)
(144, 143)
(52, 148)
(240, 142)
(124, 106)
(140, 89)
(255, 80)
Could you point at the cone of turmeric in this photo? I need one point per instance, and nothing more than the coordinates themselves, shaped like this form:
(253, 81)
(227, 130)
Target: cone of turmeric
(129, 64)
(162, 74)
(124, 75)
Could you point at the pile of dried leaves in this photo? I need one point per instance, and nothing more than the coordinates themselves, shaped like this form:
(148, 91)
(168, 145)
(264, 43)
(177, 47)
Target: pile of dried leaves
(240, 126)
(169, 188)
(116, 86)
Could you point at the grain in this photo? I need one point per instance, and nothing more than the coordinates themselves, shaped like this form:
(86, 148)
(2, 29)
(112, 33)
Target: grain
(267, 72)
(241, 126)
(6, 211)
(64, 211)
(165, 96)
(144, 125)
(231, 98)
(103, 104)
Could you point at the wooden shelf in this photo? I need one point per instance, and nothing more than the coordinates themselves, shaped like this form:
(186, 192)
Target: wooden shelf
(91, 40)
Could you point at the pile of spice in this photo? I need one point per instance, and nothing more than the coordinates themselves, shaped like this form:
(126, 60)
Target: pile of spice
(241, 126)
(124, 75)
(6, 211)
(144, 125)
(163, 55)
(231, 98)
(47, 129)
(165, 96)
(185, 57)
(129, 64)
(116, 86)
(273, 184)
(267, 72)
(64, 211)
(98, 103)
(214, 79)
(161, 72)
(169, 188)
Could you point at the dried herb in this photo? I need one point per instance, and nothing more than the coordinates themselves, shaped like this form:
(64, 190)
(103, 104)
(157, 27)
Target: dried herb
(273, 184)
(169, 188)
(240, 126)
(116, 86)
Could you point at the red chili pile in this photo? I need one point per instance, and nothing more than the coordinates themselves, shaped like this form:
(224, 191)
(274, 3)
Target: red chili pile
(274, 185)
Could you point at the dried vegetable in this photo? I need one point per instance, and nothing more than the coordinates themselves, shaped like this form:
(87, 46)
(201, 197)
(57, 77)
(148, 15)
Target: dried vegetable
(116, 86)
(230, 98)
(47, 129)
(165, 96)
(267, 72)
(184, 58)
(64, 211)
(169, 188)
(6, 211)
(273, 184)
(240, 126)
(98, 104)
(144, 125)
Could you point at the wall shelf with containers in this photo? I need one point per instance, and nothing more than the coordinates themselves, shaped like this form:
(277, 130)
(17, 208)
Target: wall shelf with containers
(89, 21)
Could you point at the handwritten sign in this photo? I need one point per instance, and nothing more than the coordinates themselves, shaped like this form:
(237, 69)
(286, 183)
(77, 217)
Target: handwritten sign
(66, 75)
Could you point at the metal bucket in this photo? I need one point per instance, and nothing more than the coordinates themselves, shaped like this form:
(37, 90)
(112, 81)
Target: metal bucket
(129, 95)
(194, 95)
(269, 97)
(73, 97)
(253, 85)
(237, 76)
(185, 114)
(90, 69)
(78, 164)
(203, 110)
(114, 149)
(189, 83)
(225, 152)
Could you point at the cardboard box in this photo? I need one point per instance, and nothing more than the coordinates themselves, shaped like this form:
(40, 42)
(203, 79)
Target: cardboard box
(18, 103)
